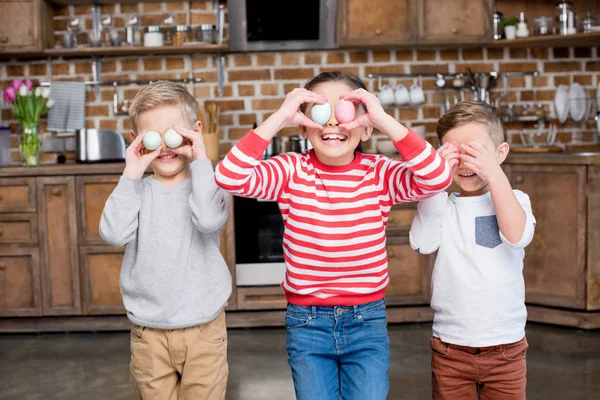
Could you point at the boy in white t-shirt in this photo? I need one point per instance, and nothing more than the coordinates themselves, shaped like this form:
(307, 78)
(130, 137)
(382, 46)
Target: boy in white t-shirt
(478, 291)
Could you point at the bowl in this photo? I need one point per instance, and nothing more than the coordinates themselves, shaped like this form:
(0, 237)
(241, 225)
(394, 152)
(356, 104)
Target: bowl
(386, 146)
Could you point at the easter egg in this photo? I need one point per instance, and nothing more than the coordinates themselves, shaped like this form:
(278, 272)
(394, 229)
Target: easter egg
(173, 139)
(345, 111)
(321, 113)
(152, 140)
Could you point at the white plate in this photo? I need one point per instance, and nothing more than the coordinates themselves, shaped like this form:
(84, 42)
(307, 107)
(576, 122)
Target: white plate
(561, 103)
(577, 102)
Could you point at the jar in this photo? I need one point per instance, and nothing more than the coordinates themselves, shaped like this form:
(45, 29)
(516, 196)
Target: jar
(588, 22)
(543, 26)
(497, 25)
(206, 33)
(153, 36)
(564, 8)
(183, 34)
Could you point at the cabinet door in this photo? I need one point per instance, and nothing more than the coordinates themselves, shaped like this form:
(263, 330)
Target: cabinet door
(555, 263)
(376, 22)
(17, 194)
(18, 229)
(19, 29)
(593, 239)
(410, 274)
(100, 272)
(462, 21)
(20, 293)
(92, 192)
(59, 260)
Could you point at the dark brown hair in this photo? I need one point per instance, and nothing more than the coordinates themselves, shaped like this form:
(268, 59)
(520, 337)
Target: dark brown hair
(472, 111)
(334, 76)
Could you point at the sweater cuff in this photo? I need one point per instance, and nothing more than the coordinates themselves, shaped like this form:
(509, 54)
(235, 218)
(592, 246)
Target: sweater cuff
(253, 145)
(129, 187)
(410, 146)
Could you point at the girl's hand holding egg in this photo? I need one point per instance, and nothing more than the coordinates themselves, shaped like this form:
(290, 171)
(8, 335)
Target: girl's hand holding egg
(345, 111)
(321, 113)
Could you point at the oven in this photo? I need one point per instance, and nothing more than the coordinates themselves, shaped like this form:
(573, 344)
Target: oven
(258, 242)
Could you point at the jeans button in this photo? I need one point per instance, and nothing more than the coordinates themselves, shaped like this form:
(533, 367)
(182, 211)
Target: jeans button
(338, 311)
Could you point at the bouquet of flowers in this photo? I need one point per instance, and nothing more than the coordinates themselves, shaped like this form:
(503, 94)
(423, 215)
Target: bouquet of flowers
(28, 106)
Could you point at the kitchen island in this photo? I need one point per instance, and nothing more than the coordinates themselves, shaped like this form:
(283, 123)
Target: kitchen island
(56, 273)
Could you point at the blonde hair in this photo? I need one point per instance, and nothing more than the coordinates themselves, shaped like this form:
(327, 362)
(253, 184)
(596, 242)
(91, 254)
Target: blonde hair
(472, 111)
(160, 93)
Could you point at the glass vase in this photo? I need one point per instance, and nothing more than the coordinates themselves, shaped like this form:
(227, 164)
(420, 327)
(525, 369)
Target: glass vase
(30, 145)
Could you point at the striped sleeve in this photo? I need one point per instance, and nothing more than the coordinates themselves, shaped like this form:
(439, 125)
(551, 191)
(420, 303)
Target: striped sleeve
(420, 173)
(244, 173)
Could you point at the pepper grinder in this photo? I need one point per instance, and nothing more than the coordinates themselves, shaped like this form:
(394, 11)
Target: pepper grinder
(522, 30)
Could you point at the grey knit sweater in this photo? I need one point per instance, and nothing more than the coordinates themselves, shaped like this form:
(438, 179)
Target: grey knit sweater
(173, 274)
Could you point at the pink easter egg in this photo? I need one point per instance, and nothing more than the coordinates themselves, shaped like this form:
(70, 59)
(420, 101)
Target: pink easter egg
(345, 111)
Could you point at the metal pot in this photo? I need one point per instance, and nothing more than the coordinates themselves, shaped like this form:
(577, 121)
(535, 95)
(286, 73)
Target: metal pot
(298, 144)
(274, 148)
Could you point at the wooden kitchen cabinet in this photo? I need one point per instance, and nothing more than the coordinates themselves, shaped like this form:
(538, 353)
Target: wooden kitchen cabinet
(100, 272)
(377, 22)
(26, 25)
(58, 247)
(92, 192)
(18, 229)
(555, 261)
(451, 21)
(409, 272)
(17, 195)
(20, 291)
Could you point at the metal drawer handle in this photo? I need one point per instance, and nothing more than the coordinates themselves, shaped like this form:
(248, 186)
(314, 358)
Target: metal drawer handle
(390, 254)
(454, 31)
(519, 179)
(4, 39)
(56, 191)
(2, 265)
(390, 220)
(378, 31)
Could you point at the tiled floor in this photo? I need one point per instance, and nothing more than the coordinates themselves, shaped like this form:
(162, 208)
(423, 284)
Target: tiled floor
(563, 364)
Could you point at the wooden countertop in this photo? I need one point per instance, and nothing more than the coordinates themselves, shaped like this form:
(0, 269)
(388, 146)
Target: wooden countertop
(566, 158)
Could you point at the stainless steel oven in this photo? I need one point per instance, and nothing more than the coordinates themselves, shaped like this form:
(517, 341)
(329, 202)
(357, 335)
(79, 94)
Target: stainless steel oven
(258, 242)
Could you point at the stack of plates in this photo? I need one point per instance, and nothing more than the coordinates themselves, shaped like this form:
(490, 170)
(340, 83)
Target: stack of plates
(561, 103)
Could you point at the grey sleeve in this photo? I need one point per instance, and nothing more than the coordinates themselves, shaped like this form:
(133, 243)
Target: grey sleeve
(208, 202)
(119, 221)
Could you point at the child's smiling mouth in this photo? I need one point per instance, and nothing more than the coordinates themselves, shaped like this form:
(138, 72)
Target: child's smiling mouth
(333, 139)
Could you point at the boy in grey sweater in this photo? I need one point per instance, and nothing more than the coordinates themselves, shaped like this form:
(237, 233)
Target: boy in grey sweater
(174, 280)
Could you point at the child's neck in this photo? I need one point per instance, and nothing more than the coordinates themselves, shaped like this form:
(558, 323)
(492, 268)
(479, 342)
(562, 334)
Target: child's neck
(173, 180)
(479, 192)
(337, 161)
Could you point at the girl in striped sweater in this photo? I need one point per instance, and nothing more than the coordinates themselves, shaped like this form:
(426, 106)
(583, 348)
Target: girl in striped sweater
(335, 203)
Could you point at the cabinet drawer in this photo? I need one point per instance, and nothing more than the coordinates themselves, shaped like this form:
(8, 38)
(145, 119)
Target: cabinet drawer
(261, 298)
(17, 195)
(18, 229)
(20, 288)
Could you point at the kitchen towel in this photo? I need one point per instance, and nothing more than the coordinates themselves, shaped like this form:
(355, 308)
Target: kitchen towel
(68, 113)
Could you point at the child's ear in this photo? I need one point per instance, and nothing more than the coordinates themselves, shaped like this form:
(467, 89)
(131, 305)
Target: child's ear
(502, 152)
(132, 135)
(198, 127)
(366, 134)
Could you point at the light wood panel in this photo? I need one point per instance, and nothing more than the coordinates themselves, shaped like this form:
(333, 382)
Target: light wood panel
(92, 192)
(100, 272)
(18, 229)
(17, 195)
(20, 292)
(447, 21)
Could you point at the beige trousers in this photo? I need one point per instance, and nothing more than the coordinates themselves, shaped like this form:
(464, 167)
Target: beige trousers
(189, 363)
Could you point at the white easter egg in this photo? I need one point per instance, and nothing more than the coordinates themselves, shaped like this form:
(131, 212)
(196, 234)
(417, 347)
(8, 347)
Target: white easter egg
(321, 113)
(152, 140)
(173, 139)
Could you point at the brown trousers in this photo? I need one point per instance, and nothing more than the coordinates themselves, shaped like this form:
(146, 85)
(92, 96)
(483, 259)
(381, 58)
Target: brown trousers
(189, 363)
(463, 373)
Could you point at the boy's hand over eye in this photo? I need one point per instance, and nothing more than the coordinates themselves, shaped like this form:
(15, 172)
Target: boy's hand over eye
(481, 161)
(193, 148)
(136, 162)
(450, 153)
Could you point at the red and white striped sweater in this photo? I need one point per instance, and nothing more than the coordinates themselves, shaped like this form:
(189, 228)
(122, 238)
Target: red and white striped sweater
(334, 217)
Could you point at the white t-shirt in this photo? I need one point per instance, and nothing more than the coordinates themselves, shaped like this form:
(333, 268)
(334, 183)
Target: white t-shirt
(478, 291)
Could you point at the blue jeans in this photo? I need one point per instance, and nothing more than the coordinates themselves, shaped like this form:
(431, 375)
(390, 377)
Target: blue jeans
(340, 352)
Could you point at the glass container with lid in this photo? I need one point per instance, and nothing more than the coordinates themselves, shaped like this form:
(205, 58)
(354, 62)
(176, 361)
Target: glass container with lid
(588, 22)
(543, 26)
(564, 8)
(183, 34)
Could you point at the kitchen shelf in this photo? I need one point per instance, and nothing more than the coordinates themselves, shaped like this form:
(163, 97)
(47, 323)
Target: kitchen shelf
(73, 2)
(135, 50)
(577, 40)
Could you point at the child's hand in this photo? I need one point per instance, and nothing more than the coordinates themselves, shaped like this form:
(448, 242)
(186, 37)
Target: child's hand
(480, 160)
(375, 112)
(136, 162)
(450, 153)
(194, 147)
(290, 112)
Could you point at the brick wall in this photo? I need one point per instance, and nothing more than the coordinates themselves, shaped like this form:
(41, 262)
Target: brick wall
(256, 84)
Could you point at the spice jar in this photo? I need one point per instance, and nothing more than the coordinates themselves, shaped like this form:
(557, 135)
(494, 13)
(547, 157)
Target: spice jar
(153, 36)
(183, 34)
(588, 22)
(206, 33)
(543, 26)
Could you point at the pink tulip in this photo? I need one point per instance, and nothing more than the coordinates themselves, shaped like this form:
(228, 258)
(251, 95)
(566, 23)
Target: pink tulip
(28, 84)
(17, 84)
(10, 94)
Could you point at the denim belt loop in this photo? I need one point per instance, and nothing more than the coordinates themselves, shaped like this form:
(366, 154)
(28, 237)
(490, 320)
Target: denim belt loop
(356, 310)
(313, 311)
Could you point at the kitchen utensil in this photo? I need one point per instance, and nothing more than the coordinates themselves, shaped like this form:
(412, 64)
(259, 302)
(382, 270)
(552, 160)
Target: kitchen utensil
(563, 9)
(213, 110)
(440, 82)
(94, 146)
(577, 102)
(497, 25)
(401, 95)
(561, 103)
(274, 148)
(386, 95)
(416, 94)
(543, 26)
(131, 31)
